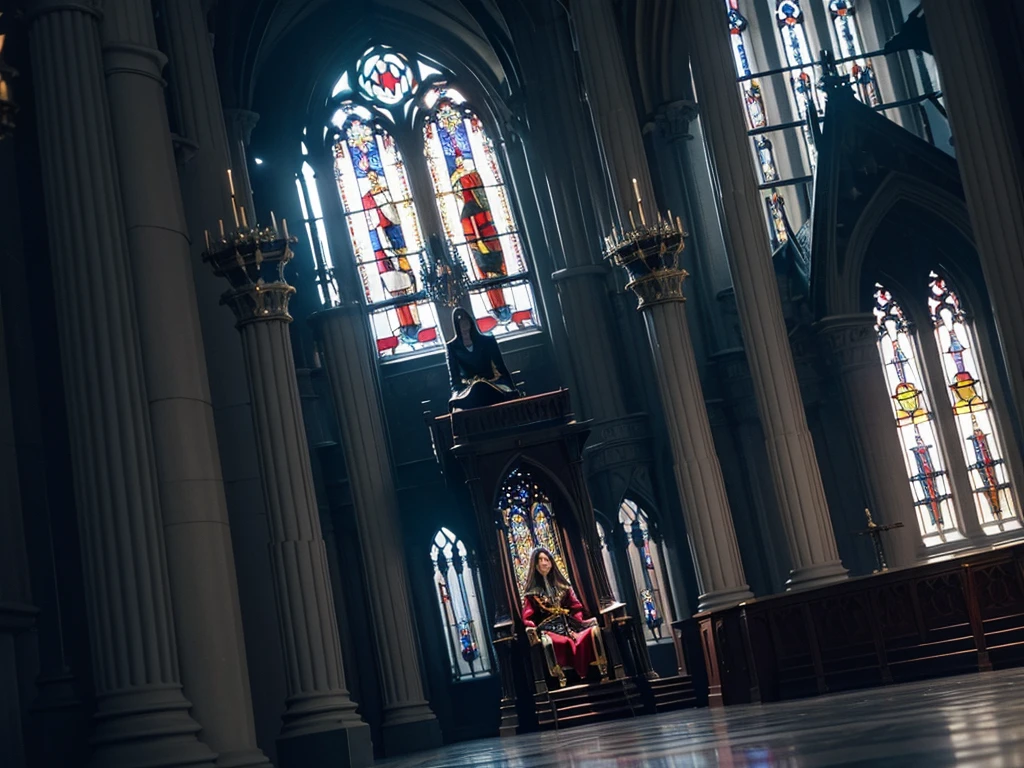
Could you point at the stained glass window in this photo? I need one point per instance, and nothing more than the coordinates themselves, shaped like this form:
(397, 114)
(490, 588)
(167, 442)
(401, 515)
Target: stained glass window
(972, 410)
(843, 14)
(474, 205)
(383, 95)
(385, 76)
(384, 230)
(777, 215)
(528, 520)
(757, 116)
(458, 599)
(646, 565)
(789, 17)
(915, 422)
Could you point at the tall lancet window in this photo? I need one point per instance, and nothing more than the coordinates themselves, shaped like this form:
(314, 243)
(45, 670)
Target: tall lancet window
(400, 126)
(843, 15)
(789, 17)
(384, 228)
(316, 232)
(649, 576)
(757, 118)
(915, 422)
(458, 599)
(972, 410)
(475, 212)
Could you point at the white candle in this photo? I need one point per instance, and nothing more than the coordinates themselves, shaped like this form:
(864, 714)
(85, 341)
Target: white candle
(284, 226)
(273, 222)
(679, 224)
(220, 223)
(231, 185)
(234, 211)
(206, 234)
(245, 223)
(632, 222)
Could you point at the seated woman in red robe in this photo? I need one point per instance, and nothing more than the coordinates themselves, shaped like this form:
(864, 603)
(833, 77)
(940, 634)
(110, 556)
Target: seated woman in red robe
(553, 616)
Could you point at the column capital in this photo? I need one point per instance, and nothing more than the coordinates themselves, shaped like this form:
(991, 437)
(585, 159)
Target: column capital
(849, 340)
(240, 123)
(255, 268)
(673, 119)
(659, 287)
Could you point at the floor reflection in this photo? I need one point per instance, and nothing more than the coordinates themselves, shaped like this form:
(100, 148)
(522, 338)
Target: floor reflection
(973, 720)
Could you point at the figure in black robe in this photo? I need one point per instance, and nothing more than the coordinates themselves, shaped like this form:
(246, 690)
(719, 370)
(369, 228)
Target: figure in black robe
(478, 374)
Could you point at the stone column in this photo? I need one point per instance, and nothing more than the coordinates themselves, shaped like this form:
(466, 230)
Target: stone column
(990, 163)
(613, 105)
(321, 727)
(409, 724)
(239, 124)
(142, 717)
(709, 524)
(805, 516)
(851, 341)
(196, 99)
(351, 359)
(201, 564)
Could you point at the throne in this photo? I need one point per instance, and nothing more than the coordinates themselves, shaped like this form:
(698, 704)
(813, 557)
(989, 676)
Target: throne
(522, 462)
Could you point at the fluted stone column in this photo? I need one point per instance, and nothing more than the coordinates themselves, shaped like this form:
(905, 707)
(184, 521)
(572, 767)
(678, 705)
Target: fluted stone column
(805, 515)
(239, 124)
(709, 523)
(409, 724)
(699, 481)
(851, 341)
(142, 717)
(990, 161)
(320, 724)
(201, 564)
(196, 99)
(613, 104)
(350, 358)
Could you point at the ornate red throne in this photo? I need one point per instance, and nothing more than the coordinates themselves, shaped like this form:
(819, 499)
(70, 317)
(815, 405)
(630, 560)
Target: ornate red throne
(522, 462)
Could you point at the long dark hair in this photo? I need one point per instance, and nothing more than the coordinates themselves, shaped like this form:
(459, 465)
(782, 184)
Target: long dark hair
(474, 333)
(535, 582)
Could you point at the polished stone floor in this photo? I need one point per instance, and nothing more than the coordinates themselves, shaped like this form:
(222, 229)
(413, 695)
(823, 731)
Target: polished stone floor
(973, 720)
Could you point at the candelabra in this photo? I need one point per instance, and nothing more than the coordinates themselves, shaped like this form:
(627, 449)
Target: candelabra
(650, 255)
(444, 278)
(7, 106)
(253, 261)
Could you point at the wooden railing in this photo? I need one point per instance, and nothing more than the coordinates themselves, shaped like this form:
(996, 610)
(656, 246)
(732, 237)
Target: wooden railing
(963, 614)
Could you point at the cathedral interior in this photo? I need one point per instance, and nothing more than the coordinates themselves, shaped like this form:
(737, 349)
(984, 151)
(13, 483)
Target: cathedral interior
(382, 376)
